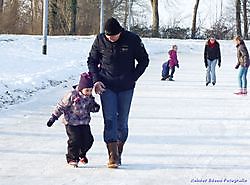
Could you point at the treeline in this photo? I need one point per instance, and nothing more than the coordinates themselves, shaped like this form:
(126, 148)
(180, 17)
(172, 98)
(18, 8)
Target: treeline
(65, 17)
(74, 17)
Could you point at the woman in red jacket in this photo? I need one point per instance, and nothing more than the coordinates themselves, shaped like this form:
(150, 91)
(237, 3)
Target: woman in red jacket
(211, 57)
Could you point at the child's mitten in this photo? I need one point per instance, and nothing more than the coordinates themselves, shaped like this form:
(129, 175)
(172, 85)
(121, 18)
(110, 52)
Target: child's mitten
(52, 120)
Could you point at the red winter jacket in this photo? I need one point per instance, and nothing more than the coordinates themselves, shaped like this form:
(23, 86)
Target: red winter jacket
(173, 61)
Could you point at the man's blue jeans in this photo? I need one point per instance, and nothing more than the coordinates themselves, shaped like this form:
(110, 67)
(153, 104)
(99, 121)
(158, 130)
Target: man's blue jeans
(115, 108)
(211, 71)
(242, 77)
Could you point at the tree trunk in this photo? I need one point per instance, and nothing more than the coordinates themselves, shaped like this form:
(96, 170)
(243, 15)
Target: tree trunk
(245, 19)
(238, 21)
(155, 25)
(36, 9)
(1, 6)
(126, 11)
(11, 18)
(88, 16)
(193, 29)
(73, 17)
(35, 18)
(53, 17)
(32, 16)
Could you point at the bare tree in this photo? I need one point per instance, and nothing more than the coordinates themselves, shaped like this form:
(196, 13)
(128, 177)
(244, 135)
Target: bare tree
(121, 11)
(36, 16)
(53, 17)
(9, 20)
(193, 29)
(68, 16)
(155, 23)
(245, 19)
(73, 8)
(1, 6)
(64, 16)
(238, 19)
(1, 14)
(88, 16)
(126, 12)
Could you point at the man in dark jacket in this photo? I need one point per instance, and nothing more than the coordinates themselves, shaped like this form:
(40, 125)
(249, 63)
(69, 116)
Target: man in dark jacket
(211, 57)
(115, 72)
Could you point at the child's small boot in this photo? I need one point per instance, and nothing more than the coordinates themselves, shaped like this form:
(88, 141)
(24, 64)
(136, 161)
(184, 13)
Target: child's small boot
(73, 163)
(83, 160)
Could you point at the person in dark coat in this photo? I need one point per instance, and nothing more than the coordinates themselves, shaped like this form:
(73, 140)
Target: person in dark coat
(112, 61)
(75, 107)
(212, 55)
(242, 64)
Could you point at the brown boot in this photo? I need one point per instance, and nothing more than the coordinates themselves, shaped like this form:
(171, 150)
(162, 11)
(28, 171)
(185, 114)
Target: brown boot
(120, 149)
(113, 155)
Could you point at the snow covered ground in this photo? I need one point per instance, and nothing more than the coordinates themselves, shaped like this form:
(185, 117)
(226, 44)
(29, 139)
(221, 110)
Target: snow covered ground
(181, 132)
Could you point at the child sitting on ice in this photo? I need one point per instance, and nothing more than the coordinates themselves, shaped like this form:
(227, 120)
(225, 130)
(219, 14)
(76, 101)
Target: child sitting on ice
(170, 64)
(76, 106)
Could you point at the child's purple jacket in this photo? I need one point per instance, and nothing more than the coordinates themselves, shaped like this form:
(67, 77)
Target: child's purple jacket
(76, 108)
(173, 61)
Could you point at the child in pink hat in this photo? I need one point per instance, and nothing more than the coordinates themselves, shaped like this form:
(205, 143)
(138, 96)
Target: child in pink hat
(170, 64)
(75, 107)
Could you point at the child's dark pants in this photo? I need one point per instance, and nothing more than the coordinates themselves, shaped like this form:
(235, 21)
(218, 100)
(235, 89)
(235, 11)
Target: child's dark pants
(79, 142)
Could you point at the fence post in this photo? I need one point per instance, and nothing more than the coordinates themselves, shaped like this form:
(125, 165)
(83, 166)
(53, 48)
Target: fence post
(45, 26)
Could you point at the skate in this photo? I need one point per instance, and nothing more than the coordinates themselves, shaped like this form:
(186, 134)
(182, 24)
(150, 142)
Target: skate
(83, 161)
(170, 79)
(244, 92)
(240, 92)
(165, 78)
(73, 164)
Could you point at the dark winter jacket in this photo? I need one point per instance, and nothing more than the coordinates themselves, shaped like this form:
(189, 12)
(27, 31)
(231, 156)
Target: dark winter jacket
(242, 54)
(113, 63)
(212, 52)
(76, 108)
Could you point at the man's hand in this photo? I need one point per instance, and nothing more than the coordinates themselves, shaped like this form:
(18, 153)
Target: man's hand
(99, 87)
